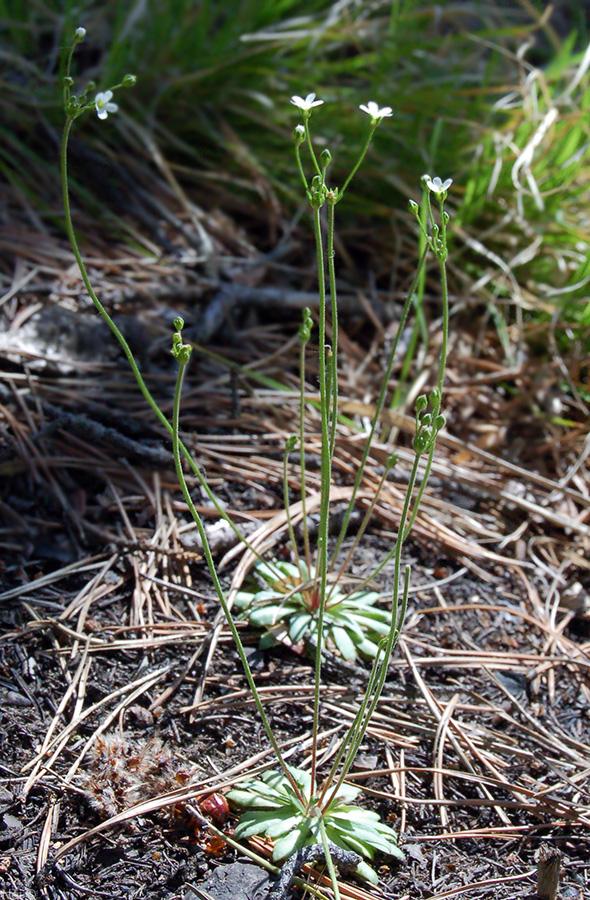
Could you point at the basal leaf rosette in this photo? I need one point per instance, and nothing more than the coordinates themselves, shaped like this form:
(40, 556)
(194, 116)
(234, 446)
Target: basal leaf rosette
(274, 811)
(289, 597)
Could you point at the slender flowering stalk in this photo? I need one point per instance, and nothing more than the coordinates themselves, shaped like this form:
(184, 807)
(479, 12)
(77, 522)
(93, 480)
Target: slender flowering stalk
(182, 354)
(378, 408)
(325, 483)
(377, 115)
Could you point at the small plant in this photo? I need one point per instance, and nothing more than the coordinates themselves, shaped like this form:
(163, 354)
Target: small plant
(307, 596)
(274, 810)
(353, 625)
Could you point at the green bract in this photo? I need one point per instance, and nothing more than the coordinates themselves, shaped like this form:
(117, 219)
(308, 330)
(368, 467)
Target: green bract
(274, 811)
(290, 597)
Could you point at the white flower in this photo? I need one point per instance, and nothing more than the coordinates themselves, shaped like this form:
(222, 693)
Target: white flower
(307, 104)
(103, 104)
(436, 185)
(372, 109)
(80, 33)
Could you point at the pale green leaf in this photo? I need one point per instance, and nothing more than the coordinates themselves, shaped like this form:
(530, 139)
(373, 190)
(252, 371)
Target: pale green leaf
(343, 642)
(298, 625)
(292, 842)
(364, 870)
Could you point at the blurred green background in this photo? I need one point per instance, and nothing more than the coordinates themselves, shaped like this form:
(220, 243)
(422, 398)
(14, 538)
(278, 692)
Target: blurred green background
(493, 94)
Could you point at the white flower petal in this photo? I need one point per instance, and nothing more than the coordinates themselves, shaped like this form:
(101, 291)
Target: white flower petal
(103, 104)
(437, 186)
(307, 104)
(375, 111)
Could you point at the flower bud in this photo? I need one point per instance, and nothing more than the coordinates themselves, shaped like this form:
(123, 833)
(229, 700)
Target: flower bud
(298, 134)
(291, 443)
(184, 354)
(419, 444)
(413, 207)
(304, 333)
(421, 402)
(129, 81)
(179, 323)
(79, 34)
(325, 158)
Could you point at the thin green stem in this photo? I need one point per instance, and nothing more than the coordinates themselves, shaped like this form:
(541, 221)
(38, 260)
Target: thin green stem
(421, 489)
(326, 475)
(287, 506)
(420, 324)
(403, 530)
(302, 456)
(359, 161)
(176, 445)
(378, 410)
(334, 308)
(360, 531)
(354, 726)
(356, 738)
(300, 168)
(409, 357)
(445, 310)
(442, 361)
(314, 160)
(120, 338)
(329, 861)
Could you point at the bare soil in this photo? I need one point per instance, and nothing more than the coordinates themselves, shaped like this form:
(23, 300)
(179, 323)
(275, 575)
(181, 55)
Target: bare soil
(119, 685)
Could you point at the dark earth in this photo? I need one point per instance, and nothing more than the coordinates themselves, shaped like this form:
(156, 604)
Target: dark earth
(487, 684)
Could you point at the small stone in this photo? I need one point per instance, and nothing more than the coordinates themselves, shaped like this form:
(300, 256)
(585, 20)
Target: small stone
(141, 716)
(238, 881)
(13, 698)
